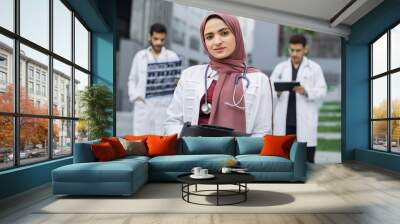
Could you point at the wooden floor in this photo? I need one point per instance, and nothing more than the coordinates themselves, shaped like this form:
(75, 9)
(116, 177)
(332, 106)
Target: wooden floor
(377, 188)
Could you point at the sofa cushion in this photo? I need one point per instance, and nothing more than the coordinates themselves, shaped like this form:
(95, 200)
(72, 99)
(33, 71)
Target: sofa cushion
(257, 163)
(83, 152)
(130, 158)
(116, 145)
(277, 145)
(249, 145)
(161, 145)
(208, 145)
(134, 147)
(112, 171)
(185, 163)
(103, 152)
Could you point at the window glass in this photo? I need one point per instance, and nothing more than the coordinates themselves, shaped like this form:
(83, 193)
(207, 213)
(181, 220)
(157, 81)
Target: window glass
(81, 81)
(6, 142)
(62, 29)
(395, 47)
(81, 131)
(379, 98)
(395, 136)
(39, 62)
(7, 14)
(34, 21)
(6, 74)
(62, 141)
(379, 135)
(33, 139)
(81, 45)
(62, 91)
(395, 95)
(379, 56)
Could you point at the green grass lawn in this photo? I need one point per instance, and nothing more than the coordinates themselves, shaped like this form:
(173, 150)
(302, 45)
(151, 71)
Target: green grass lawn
(332, 103)
(328, 110)
(329, 128)
(329, 145)
(332, 145)
(329, 118)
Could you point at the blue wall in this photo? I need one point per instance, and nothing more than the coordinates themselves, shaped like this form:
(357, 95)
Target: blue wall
(355, 86)
(24, 178)
(100, 16)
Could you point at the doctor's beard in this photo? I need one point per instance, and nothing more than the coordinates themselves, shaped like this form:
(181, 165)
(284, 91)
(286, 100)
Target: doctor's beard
(157, 48)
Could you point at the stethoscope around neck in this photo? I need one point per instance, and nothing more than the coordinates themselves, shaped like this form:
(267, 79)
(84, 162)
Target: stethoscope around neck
(206, 106)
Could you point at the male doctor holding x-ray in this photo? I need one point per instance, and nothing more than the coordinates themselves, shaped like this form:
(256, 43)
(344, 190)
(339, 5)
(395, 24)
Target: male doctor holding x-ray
(296, 111)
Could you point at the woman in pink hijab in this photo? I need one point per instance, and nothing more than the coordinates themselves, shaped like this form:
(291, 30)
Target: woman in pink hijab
(225, 92)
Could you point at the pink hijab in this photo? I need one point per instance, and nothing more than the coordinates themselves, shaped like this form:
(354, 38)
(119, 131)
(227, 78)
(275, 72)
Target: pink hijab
(228, 69)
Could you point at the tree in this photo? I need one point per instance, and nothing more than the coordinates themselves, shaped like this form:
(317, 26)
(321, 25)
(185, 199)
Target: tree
(33, 131)
(380, 127)
(97, 104)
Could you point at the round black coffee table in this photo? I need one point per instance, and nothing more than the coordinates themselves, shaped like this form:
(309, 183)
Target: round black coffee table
(238, 179)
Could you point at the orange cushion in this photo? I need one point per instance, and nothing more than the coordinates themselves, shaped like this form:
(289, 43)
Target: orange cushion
(116, 145)
(136, 137)
(103, 152)
(277, 145)
(161, 145)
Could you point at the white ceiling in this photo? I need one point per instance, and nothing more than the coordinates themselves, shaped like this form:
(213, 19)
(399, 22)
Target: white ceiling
(316, 15)
(320, 9)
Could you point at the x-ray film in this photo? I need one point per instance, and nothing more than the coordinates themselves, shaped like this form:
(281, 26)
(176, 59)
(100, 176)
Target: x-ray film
(162, 78)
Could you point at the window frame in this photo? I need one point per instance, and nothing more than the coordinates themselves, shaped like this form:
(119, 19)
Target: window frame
(388, 74)
(16, 114)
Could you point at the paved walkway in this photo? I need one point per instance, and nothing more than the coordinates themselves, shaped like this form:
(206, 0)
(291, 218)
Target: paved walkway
(322, 157)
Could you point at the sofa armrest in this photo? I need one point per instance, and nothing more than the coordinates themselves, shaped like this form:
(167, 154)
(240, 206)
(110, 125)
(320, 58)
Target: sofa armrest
(83, 152)
(298, 157)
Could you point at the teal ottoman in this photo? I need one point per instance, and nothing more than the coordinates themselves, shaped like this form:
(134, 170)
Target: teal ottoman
(118, 177)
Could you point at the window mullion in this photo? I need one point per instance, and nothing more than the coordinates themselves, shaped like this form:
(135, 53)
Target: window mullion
(50, 81)
(16, 84)
(73, 82)
(389, 104)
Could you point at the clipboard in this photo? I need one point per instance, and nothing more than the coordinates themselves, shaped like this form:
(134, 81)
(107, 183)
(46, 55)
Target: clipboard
(285, 86)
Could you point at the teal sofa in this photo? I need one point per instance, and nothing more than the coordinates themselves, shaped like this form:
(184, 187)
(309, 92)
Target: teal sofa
(125, 176)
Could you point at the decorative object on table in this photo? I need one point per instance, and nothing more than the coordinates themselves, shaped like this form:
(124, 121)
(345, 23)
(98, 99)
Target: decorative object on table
(231, 163)
(200, 173)
(196, 170)
(226, 170)
(96, 102)
(202, 176)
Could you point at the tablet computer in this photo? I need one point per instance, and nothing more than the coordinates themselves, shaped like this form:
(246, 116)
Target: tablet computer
(285, 86)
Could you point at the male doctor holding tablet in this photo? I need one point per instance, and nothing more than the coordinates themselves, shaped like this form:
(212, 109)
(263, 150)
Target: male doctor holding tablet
(296, 110)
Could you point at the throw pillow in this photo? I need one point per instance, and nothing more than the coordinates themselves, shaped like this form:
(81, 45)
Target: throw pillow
(161, 145)
(103, 151)
(137, 148)
(277, 145)
(117, 146)
(136, 137)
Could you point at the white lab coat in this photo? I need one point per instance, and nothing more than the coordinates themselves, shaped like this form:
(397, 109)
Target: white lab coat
(148, 116)
(185, 105)
(310, 76)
